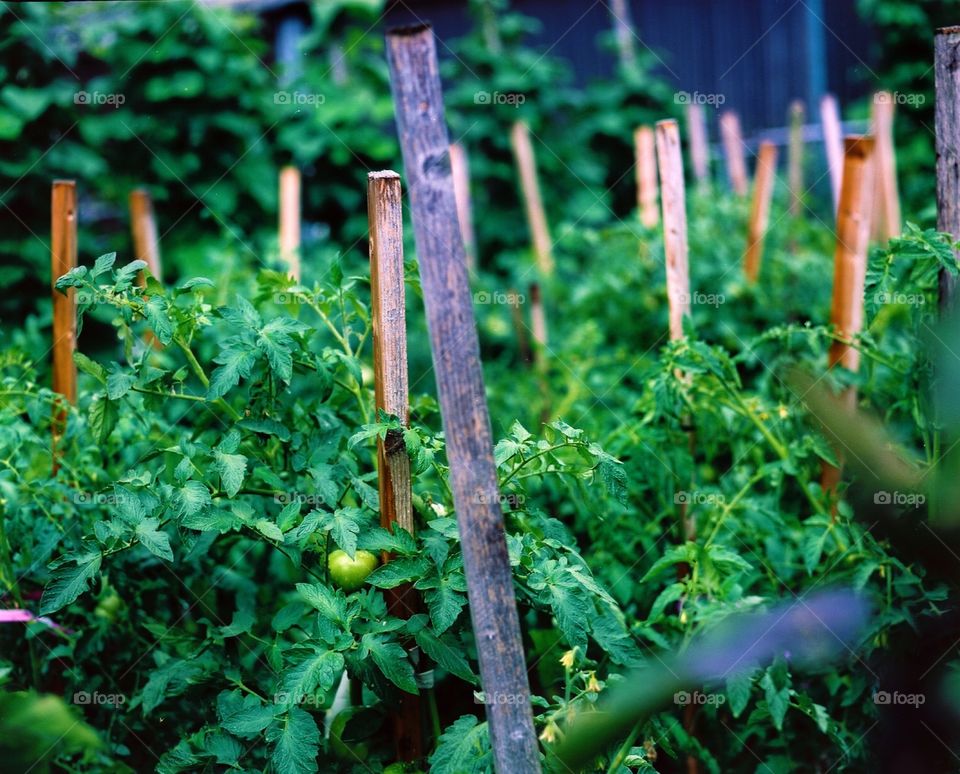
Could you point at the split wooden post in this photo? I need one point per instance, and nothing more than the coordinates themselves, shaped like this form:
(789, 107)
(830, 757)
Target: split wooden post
(795, 154)
(63, 258)
(946, 52)
(732, 139)
(388, 311)
(532, 200)
(832, 144)
(415, 80)
(290, 220)
(699, 146)
(644, 146)
(850, 267)
(623, 33)
(886, 203)
(763, 184)
(460, 167)
(673, 201)
(143, 226)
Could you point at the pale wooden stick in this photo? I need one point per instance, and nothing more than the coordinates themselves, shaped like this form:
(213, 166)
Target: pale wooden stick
(699, 145)
(536, 215)
(672, 198)
(886, 203)
(732, 139)
(760, 209)
(460, 167)
(644, 145)
(795, 153)
(143, 225)
(832, 143)
(290, 220)
(946, 45)
(63, 258)
(623, 32)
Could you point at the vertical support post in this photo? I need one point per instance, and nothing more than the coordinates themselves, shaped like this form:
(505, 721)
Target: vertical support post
(415, 80)
(850, 266)
(795, 153)
(699, 146)
(460, 167)
(388, 310)
(143, 226)
(832, 144)
(623, 33)
(732, 139)
(290, 220)
(886, 203)
(673, 201)
(63, 258)
(519, 327)
(532, 200)
(644, 146)
(760, 209)
(946, 52)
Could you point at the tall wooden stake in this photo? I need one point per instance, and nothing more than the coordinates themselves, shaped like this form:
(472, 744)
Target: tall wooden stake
(388, 307)
(886, 203)
(143, 225)
(795, 154)
(946, 52)
(832, 144)
(850, 266)
(536, 215)
(644, 146)
(672, 198)
(623, 32)
(63, 258)
(760, 209)
(415, 79)
(290, 220)
(460, 167)
(699, 145)
(732, 139)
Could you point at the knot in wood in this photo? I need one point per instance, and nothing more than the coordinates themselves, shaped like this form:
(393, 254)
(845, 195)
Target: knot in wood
(394, 442)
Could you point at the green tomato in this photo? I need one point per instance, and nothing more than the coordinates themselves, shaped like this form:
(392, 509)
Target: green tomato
(347, 751)
(350, 574)
(108, 607)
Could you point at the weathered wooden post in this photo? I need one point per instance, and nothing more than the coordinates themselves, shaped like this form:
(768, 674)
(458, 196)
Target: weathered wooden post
(388, 311)
(760, 209)
(795, 157)
(623, 33)
(415, 80)
(460, 167)
(832, 144)
(732, 139)
(946, 52)
(886, 203)
(532, 200)
(143, 227)
(699, 145)
(63, 258)
(672, 198)
(290, 220)
(850, 268)
(644, 146)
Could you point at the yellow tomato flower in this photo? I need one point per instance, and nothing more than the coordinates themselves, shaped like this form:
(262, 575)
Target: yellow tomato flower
(567, 659)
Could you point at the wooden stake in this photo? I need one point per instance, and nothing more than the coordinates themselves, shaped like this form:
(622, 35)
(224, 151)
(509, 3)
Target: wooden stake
(415, 79)
(143, 225)
(833, 144)
(674, 223)
(850, 266)
(760, 209)
(946, 52)
(795, 153)
(536, 215)
(63, 258)
(460, 167)
(388, 310)
(290, 220)
(644, 146)
(623, 33)
(699, 146)
(886, 203)
(732, 139)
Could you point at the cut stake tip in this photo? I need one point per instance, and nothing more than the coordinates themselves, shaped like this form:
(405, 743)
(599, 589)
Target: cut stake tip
(409, 30)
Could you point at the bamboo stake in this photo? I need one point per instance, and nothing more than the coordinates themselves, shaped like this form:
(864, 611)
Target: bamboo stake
(644, 145)
(143, 225)
(760, 209)
(672, 199)
(290, 220)
(460, 167)
(533, 202)
(732, 139)
(946, 52)
(414, 76)
(833, 144)
(623, 33)
(886, 203)
(388, 311)
(795, 153)
(63, 258)
(699, 147)
(850, 267)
